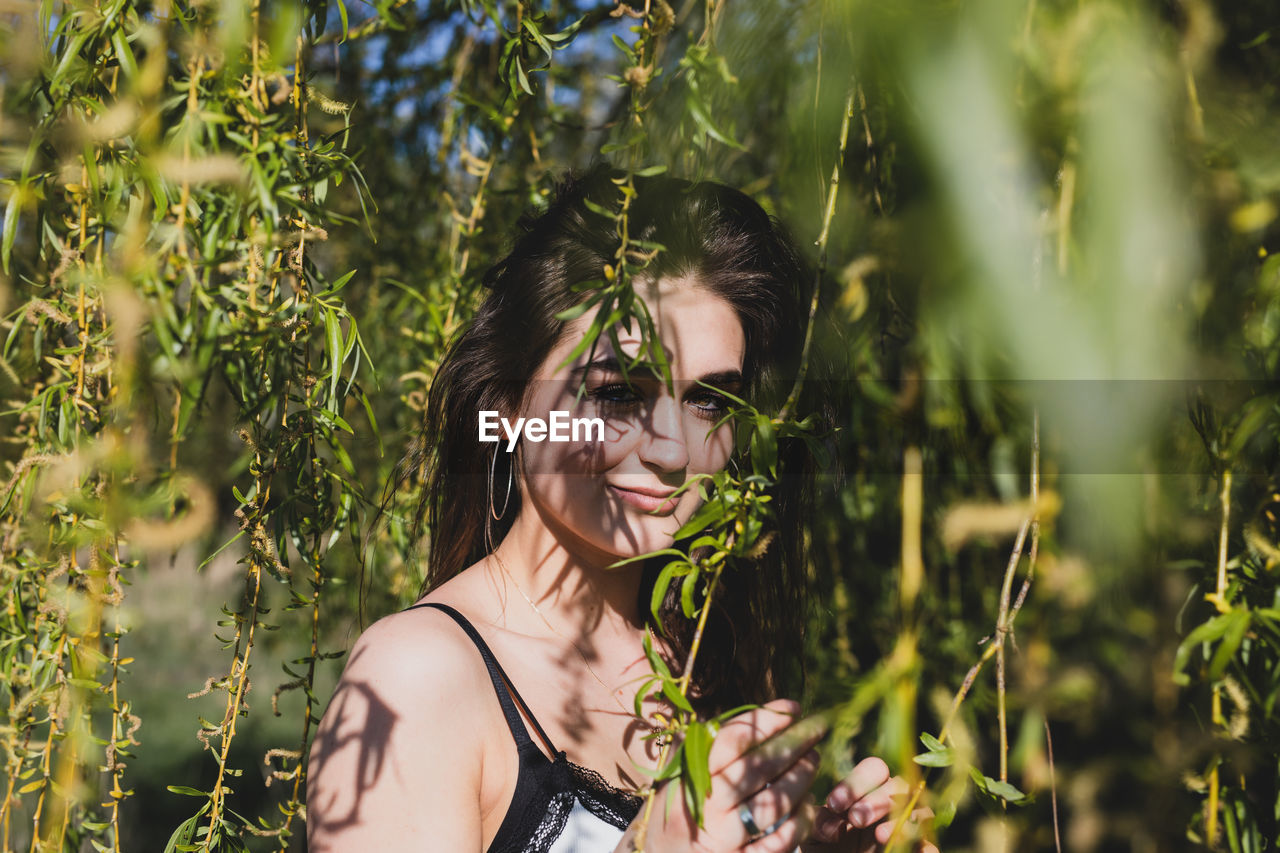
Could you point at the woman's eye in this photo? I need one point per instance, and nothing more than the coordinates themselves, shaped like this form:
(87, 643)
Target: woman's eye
(709, 404)
(615, 394)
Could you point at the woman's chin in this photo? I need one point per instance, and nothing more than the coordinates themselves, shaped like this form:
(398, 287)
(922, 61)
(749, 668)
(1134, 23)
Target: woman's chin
(644, 542)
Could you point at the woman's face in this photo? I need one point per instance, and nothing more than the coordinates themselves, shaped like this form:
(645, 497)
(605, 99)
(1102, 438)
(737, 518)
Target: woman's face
(612, 498)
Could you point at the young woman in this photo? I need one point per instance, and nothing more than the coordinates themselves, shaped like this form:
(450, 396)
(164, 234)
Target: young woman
(498, 713)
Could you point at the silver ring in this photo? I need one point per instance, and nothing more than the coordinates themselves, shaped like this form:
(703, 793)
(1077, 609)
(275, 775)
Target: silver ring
(754, 832)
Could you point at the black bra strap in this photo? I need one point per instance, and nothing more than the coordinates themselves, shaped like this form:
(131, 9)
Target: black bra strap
(501, 683)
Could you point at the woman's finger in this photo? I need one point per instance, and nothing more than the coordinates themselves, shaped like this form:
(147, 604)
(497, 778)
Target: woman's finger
(876, 805)
(786, 837)
(828, 826)
(759, 759)
(868, 775)
(738, 734)
(884, 830)
(771, 805)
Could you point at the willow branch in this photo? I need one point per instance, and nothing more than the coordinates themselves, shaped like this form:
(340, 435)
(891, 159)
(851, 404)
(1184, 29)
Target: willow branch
(828, 214)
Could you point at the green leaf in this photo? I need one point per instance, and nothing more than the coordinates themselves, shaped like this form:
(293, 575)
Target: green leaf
(186, 791)
(704, 123)
(567, 33)
(333, 346)
(625, 48)
(938, 755)
(935, 759)
(660, 587)
(222, 547)
(764, 447)
(592, 335)
(931, 743)
(1237, 625)
(184, 836)
(532, 28)
(337, 286)
(643, 692)
(675, 697)
(697, 764)
(708, 514)
(597, 208)
(668, 552)
(656, 663)
(1203, 633)
(70, 54)
(342, 13)
(522, 77)
(10, 227)
(578, 310)
(998, 789)
(688, 587)
(124, 54)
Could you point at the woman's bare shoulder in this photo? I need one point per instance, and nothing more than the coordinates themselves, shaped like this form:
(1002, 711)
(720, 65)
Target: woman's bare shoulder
(397, 751)
(413, 648)
(416, 668)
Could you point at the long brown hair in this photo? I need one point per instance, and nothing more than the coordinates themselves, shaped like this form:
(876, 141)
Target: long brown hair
(734, 249)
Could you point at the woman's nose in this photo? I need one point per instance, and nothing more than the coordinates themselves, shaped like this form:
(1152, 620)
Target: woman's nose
(664, 445)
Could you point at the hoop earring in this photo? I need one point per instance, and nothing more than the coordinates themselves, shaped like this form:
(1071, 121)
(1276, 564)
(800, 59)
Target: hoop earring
(506, 501)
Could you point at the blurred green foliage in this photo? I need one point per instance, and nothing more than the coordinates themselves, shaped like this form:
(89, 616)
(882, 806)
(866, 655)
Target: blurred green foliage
(238, 236)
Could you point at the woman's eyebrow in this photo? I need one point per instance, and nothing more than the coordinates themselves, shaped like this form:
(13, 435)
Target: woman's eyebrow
(610, 364)
(726, 379)
(606, 363)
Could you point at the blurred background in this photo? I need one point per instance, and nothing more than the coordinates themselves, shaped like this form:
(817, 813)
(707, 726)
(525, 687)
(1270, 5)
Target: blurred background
(237, 237)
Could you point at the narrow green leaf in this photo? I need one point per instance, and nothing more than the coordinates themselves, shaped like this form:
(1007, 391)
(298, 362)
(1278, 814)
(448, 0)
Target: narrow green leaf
(342, 13)
(534, 30)
(337, 286)
(1231, 639)
(186, 791)
(578, 310)
(710, 513)
(697, 763)
(124, 54)
(675, 697)
(667, 552)
(660, 587)
(522, 77)
(656, 663)
(688, 587)
(1203, 633)
(333, 347)
(10, 227)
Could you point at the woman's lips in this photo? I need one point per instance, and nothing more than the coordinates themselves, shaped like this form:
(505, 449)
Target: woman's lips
(649, 500)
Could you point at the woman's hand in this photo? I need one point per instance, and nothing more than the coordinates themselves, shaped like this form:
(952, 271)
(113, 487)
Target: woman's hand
(755, 781)
(856, 817)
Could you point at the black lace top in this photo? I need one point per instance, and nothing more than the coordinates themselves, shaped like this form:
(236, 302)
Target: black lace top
(546, 790)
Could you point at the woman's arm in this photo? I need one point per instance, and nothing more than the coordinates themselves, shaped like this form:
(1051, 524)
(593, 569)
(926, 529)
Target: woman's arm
(396, 762)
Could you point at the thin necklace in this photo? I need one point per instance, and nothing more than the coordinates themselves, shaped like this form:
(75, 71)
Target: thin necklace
(581, 654)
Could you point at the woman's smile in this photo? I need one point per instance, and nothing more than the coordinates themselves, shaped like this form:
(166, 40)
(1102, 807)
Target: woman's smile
(657, 502)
